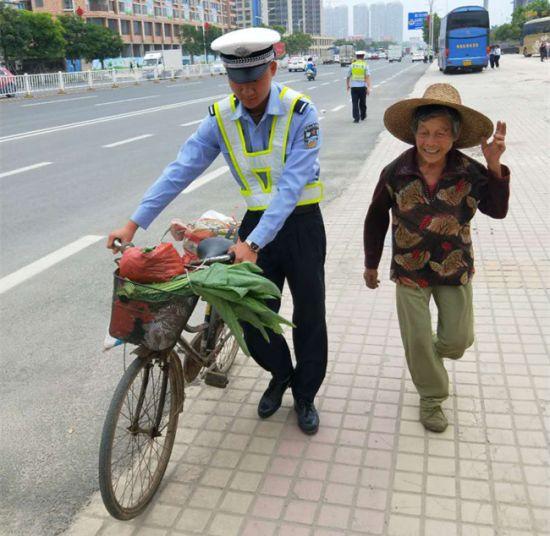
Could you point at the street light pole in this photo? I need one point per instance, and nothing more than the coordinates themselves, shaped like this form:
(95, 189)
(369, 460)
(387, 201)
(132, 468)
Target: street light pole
(431, 28)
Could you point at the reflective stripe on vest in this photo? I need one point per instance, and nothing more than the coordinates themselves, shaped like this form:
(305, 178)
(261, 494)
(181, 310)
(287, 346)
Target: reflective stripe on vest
(259, 171)
(358, 71)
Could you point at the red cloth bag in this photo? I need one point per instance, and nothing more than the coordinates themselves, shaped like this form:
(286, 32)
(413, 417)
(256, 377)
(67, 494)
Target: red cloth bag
(151, 265)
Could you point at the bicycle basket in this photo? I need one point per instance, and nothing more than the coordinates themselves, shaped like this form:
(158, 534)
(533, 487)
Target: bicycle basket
(154, 325)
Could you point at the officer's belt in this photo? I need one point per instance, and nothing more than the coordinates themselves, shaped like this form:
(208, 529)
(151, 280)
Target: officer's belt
(302, 209)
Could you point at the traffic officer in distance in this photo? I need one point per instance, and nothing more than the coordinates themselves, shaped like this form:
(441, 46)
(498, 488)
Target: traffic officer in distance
(270, 138)
(358, 80)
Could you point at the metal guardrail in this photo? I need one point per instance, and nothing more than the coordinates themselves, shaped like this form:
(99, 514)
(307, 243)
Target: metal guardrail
(28, 85)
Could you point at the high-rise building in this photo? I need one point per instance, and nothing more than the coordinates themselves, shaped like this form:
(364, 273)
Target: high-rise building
(361, 20)
(142, 24)
(336, 21)
(377, 21)
(278, 13)
(394, 22)
(306, 16)
(247, 13)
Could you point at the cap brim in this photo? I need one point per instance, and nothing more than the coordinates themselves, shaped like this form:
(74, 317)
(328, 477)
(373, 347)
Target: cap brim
(247, 74)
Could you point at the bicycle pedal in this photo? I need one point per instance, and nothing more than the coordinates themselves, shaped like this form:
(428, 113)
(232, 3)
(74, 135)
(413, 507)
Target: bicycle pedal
(216, 379)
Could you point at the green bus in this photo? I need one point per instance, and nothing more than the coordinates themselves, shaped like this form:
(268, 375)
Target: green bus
(533, 33)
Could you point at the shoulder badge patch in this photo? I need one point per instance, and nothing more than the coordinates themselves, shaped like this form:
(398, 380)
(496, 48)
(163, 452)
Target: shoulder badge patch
(311, 135)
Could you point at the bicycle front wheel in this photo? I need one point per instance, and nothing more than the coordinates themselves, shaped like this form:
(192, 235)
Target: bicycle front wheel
(138, 435)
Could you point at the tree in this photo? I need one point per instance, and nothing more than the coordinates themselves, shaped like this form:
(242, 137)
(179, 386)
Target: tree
(211, 33)
(15, 33)
(47, 40)
(297, 43)
(191, 40)
(74, 32)
(512, 31)
(101, 43)
(435, 30)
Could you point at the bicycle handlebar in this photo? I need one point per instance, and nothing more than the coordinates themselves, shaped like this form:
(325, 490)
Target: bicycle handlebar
(227, 258)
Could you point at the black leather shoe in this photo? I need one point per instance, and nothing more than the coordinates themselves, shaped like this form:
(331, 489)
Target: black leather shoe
(356, 120)
(308, 418)
(272, 397)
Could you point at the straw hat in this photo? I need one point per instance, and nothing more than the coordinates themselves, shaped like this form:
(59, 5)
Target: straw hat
(474, 125)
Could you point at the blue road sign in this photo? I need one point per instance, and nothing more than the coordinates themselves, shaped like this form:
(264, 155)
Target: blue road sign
(416, 20)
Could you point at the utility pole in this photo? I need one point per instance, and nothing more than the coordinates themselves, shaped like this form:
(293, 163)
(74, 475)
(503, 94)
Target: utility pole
(431, 28)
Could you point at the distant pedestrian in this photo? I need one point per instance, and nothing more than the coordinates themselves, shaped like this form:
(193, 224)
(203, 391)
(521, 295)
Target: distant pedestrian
(547, 46)
(433, 191)
(542, 51)
(492, 57)
(131, 67)
(496, 52)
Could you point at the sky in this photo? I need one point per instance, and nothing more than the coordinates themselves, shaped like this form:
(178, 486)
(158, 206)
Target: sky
(500, 11)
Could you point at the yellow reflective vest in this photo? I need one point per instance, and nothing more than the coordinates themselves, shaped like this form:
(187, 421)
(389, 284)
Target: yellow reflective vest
(358, 70)
(259, 171)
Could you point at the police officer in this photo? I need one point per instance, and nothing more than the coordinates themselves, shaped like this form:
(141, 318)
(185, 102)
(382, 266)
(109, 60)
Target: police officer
(270, 138)
(358, 80)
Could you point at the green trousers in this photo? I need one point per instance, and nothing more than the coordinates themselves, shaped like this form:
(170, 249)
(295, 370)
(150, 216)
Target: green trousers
(423, 349)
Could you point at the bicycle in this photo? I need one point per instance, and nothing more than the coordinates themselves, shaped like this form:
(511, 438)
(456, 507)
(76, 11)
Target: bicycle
(141, 422)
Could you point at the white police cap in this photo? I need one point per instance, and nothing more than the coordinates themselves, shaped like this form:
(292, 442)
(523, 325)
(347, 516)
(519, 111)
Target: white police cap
(246, 53)
(360, 53)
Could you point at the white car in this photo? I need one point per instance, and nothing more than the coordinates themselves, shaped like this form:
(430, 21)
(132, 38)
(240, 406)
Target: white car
(296, 64)
(417, 56)
(217, 68)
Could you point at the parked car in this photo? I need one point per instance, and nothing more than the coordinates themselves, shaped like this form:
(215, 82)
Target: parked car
(296, 64)
(417, 55)
(217, 68)
(8, 86)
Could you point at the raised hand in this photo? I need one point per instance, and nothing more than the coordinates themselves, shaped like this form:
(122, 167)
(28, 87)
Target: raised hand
(493, 151)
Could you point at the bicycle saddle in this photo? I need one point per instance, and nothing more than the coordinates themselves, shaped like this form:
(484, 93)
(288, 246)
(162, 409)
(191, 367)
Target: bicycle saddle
(213, 247)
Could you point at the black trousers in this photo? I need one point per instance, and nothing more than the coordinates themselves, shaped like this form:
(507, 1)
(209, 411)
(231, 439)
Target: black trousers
(297, 256)
(492, 60)
(359, 102)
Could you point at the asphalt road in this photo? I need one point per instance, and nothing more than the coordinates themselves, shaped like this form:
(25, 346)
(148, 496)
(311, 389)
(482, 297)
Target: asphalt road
(63, 180)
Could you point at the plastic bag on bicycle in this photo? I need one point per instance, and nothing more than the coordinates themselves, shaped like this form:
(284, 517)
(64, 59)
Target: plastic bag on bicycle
(210, 224)
(151, 265)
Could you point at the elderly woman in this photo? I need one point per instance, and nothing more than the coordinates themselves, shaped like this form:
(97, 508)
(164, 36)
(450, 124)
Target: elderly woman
(433, 191)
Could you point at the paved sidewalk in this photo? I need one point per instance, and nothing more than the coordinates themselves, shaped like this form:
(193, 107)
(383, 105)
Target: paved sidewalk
(372, 469)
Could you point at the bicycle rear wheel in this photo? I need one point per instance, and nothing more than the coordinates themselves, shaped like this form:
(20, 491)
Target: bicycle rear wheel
(138, 435)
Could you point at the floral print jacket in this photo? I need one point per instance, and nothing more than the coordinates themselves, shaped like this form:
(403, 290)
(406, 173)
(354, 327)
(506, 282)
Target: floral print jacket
(431, 239)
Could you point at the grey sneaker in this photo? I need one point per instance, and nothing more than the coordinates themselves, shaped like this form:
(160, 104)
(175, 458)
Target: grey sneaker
(433, 419)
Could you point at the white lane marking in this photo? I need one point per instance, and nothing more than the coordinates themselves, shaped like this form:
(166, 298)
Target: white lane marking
(184, 84)
(191, 123)
(321, 118)
(205, 179)
(17, 277)
(107, 118)
(336, 80)
(125, 100)
(23, 169)
(58, 100)
(129, 140)
(312, 87)
(325, 83)
(338, 108)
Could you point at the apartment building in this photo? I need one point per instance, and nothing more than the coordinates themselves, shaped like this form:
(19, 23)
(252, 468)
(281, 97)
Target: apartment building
(144, 25)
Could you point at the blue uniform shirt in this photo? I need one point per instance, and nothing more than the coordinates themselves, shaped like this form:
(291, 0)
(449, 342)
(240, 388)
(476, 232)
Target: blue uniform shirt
(358, 83)
(202, 148)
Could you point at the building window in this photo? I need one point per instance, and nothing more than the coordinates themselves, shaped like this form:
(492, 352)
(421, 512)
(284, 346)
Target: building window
(39, 3)
(158, 12)
(113, 25)
(137, 27)
(95, 5)
(68, 5)
(125, 27)
(148, 27)
(158, 28)
(168, 30)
